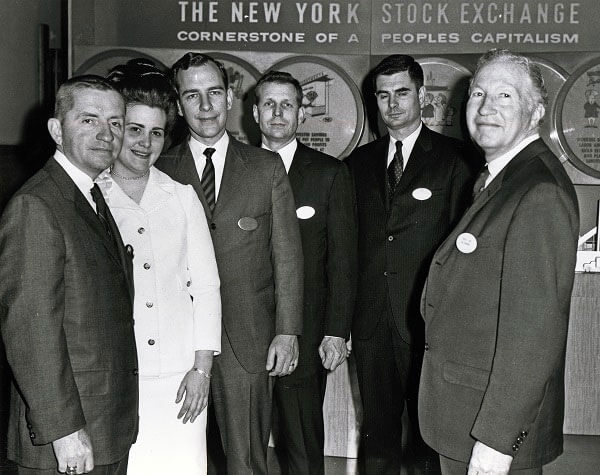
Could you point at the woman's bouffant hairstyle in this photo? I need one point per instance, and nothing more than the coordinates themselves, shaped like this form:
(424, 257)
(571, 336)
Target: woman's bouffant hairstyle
(140, 81)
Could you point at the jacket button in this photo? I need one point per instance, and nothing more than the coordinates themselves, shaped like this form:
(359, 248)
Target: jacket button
(426, 346)
(32, 435)
(151, 342)
(385, 273)
(390, 238)
(141, 230)
(213, 226)
(515, 448)
(523, 433)
(188, 283)
(149, 304)
(519, 440)
(146, 266)
(135, 372)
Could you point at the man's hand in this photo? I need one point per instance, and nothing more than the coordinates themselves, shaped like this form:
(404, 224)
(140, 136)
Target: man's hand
(487, 461)
(332, 351)
(74, 450)
(282, 358)
(195, 386)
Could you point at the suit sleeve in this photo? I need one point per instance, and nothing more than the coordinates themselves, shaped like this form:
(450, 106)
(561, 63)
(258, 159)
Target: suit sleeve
(342, 249)
(204, 275)
(32, 286)
(462, 187)
(286, 255)
(537, 278)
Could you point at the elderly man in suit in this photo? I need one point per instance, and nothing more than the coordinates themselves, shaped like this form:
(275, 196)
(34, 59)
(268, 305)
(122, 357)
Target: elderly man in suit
(412, 186)
(66, 299)
(496, 303)
(324, 199)
(250, 209)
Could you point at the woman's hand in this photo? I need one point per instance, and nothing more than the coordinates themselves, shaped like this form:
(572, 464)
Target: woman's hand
(195, 387)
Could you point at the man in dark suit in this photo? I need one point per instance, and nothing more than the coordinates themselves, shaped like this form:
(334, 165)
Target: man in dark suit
(66, 299)
(412, 185)
(324, 199)
(250, 209)
(496, 302)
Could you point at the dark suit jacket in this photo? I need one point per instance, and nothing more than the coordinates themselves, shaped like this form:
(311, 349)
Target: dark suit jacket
(397, 241)
(67, 323)
(260, 269)
(329, 245)
(496, 318)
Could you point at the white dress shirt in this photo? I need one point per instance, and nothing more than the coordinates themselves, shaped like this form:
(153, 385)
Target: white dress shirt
(218, 158)
(286, 153)
(173, 261)
(82, 180)
(498, 164)
(407, 146)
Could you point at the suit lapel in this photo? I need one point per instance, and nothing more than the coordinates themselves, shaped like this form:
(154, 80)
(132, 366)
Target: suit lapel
(420, 158)
(187, 174)
(299, 168)
(233, 176)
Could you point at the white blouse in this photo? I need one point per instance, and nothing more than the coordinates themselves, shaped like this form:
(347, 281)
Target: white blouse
(177, 305)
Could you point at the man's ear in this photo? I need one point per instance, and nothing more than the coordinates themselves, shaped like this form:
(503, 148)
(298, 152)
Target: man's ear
(538, 114)
(422, 92)
(55, 129)
(179, 109)
(255, 113)
(301, 115)
(229, 98)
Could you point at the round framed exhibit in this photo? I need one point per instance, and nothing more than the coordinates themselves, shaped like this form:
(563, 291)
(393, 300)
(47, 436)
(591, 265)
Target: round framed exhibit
(102, 62)
(577, 118)
(447, 86)
(334, 109)
(554, 78)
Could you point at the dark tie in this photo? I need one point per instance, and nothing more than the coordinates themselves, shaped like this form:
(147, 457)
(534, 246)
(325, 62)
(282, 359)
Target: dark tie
(208, 178)
(102, 210)
(395, 168)
(479, 185)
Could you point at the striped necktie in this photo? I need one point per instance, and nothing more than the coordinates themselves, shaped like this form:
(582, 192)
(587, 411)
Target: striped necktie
(208, 178)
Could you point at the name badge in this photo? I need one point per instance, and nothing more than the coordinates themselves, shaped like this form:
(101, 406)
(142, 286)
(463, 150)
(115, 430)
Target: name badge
(305, 212)
(247, 224)
(466, 243)
(421, 194)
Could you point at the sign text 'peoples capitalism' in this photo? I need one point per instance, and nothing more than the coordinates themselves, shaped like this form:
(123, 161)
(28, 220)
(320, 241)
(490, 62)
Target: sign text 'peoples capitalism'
(475, 26)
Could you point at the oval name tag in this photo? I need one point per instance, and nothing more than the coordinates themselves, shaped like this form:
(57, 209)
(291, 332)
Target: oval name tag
(305, 212)
(421, 194)
(466, 243)
(247, 224)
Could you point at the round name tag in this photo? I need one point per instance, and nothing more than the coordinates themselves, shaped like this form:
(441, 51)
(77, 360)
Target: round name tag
(466, 243)
(247, 224)
(305, 212)
(421, 194)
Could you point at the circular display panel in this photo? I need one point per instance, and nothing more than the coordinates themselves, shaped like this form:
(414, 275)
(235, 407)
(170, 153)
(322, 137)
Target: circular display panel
(334, 110)
(447, 86)
(554, 78)
(577, 120)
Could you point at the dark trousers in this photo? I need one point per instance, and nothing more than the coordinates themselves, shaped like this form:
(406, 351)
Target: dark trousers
(455, 467)
(243, 408)
(118, 468)
(388, 372)
(301, 433)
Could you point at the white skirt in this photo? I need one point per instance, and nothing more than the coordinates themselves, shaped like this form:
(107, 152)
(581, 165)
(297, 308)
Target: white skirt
(164, 443)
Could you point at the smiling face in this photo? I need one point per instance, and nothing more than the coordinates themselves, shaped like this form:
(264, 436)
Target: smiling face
(399, 103)
(143, 140)
(503, 108)
(277, 113)
(91, 132)
(204, 102)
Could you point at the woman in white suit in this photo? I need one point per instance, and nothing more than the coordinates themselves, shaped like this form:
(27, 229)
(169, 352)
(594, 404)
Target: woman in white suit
(177, 306)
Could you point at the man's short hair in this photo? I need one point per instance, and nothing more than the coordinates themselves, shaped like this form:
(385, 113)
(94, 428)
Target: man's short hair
(530, 68)
(191, 59)
(398, 63)
(279, 77)
(64, 97)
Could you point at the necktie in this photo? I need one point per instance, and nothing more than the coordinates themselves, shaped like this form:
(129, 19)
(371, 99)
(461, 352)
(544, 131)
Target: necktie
(208, 178)
(102, 209)
(479, 185)
(395, 168)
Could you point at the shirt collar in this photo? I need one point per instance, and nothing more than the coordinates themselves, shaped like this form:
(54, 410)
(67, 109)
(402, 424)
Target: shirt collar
(498, 164)
(220, 147)
(286, 153)
(407, 145)
(82, 180)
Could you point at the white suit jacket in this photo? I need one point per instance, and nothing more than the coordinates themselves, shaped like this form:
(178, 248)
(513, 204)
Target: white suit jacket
(177, 306)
